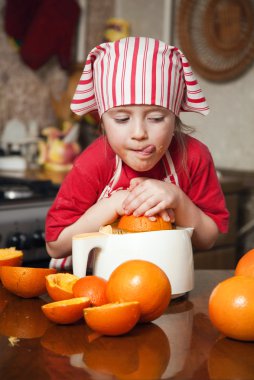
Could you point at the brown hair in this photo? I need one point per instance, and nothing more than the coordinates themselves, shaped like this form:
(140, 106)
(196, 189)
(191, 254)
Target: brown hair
(181, 130)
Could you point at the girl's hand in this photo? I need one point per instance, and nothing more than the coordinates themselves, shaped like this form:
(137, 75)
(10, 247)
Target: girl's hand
(151, 197)
(117, 199)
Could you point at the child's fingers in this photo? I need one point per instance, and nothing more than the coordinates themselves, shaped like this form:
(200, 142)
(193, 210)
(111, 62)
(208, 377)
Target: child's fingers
(171, 214)
(167, 215)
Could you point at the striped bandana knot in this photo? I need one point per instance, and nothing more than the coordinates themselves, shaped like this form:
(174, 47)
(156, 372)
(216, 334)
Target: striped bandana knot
(137, 70)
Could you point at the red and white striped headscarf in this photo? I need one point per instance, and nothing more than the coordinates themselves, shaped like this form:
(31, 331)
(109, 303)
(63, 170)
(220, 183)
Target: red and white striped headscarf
(137, 70)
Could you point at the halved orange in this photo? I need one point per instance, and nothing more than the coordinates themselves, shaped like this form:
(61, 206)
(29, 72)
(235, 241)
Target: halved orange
(59, 285)
(113, 318)
(24, 281)
(131, 223)
(10, 257)
(66, 311)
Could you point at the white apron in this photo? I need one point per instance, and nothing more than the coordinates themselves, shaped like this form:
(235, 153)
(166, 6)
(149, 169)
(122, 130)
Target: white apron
(65, 264)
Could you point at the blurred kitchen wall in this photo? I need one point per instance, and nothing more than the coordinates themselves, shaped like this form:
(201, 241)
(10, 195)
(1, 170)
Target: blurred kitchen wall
(25, 92)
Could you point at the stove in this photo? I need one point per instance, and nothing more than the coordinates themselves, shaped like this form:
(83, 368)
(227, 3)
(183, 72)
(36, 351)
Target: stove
(24, 205)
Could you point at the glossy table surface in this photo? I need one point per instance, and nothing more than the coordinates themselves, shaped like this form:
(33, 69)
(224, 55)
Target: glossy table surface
(181, 344)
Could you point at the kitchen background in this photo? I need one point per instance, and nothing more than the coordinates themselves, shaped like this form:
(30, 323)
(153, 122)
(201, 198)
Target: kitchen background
(39, 71)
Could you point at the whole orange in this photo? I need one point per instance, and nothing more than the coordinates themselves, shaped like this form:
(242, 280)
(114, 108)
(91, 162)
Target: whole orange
(93, 287)
(142, 281)
(131, 223)
(245, 265)
(231, 307)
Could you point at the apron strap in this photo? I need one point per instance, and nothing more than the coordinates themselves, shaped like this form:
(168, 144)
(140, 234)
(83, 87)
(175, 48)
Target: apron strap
(169, 167)
(112, 183)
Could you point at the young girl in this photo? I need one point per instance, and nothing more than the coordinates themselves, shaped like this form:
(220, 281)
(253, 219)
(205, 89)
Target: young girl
(143, 163)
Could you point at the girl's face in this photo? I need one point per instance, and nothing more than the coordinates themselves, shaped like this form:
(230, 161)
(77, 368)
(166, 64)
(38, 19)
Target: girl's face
(139, 135)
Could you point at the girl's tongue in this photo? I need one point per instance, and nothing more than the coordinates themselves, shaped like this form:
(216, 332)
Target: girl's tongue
(148, 149)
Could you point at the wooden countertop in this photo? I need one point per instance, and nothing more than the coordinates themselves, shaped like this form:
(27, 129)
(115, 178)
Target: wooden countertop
(182, 344)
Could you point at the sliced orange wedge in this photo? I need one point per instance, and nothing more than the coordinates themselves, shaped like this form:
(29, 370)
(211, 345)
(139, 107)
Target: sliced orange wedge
(66, 311)
(113, 318)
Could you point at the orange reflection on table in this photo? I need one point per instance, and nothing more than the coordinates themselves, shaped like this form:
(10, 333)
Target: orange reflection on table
(23, 318)
(231, 360)
(69, 339)
(142, 354)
